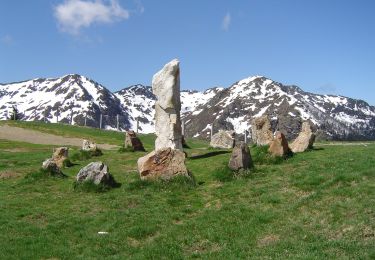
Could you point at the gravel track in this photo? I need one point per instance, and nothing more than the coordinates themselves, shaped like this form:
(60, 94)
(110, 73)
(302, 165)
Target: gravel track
(36, 137)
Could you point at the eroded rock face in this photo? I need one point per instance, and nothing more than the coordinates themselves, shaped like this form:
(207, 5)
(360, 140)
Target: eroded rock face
(241, 158)
(60, 155)
(89, 146)
(166, 87)
(279, 145)
(165, 163)
(305, 139)
(131, 140)
(261, 131)
(97, 172)
(223, 139)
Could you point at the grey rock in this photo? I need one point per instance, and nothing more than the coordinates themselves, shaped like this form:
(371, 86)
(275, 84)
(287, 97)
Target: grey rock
(223, 139)
(305, 139)
(132, 141)
(89, 146)
(261, 132)
(166, 87)
(97, 172)
(241, 158)
(51, 166)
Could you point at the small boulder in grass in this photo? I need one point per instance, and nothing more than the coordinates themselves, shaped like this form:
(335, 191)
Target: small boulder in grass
(97, 173)
(60, 155)
(89, 145)
(51, 166)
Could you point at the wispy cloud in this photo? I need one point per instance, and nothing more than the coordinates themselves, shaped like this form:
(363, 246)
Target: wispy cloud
(327, 88)
(6, 39)
(73, 15)
(140, 7)
(226, 22)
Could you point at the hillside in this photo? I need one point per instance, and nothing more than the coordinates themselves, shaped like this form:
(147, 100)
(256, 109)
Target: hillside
(316, 205)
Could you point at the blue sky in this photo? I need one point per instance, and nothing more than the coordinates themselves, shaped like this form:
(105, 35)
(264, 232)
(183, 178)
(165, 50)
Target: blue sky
(323, 46)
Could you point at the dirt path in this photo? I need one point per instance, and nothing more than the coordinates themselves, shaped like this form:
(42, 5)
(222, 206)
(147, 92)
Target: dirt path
(35, 137)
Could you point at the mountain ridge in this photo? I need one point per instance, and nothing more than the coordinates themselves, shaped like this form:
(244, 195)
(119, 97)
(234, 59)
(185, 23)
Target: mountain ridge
(76, 99)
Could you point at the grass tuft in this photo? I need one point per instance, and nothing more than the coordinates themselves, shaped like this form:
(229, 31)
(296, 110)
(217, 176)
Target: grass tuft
(224, 174)
(82, 155)
(175, 183)
(90, 186)
(260, 155)
(42, 174)
(124, 149)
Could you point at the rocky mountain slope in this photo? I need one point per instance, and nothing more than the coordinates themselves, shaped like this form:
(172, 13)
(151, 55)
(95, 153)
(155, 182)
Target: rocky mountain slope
(75, 99)
(336, 117)
(71, 99)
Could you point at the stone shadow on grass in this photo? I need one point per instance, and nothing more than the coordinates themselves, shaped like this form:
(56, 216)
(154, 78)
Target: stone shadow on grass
(206, 155)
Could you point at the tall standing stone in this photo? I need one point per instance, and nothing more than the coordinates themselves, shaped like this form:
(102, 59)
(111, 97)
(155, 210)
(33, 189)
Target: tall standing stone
(305, 139)
(261, 131)
(166, 87)
(168, 158)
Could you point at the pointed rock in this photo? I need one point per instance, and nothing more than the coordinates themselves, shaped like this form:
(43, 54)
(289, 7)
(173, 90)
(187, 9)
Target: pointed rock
(279, 145)
(261, 132)
(166, 87)
(241, 158)
(131, 140)
(305, 139)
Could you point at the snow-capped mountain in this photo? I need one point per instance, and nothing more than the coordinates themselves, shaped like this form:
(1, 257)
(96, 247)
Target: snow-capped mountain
(336, 117)
(74, 98)
(70, 99)
(138, 101)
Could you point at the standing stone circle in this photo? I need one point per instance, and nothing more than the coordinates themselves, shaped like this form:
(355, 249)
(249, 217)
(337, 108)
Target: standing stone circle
(261, 131)
(223, 139)
(304, 140)
(166, 87)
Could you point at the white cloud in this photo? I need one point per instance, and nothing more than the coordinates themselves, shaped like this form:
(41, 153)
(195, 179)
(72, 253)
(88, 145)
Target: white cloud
(73, 15)
(226, 22)
(6, 39)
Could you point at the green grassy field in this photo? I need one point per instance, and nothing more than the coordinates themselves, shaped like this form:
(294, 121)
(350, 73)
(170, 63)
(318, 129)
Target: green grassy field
(316, 205)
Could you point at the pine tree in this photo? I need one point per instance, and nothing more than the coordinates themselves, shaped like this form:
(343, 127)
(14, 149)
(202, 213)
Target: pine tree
(15, 114)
